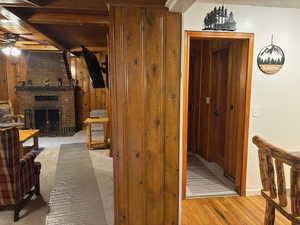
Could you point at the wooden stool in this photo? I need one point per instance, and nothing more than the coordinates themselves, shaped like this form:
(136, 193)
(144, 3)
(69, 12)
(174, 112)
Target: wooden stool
(96, 144)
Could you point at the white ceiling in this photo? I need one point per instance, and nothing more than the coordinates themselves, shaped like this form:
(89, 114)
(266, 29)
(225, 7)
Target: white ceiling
(272, 3)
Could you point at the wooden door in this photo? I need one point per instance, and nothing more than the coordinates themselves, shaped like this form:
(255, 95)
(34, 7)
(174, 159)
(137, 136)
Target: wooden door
(195, 98)
(145, 88)
(220, 63)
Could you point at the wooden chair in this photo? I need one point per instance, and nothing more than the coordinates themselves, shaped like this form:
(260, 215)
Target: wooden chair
(6, 109)
(274, 192)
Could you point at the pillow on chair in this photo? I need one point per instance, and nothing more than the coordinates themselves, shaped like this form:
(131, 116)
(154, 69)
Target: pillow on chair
(5, 116)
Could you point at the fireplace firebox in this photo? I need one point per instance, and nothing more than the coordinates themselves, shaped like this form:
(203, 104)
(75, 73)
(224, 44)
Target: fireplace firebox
(47, 121)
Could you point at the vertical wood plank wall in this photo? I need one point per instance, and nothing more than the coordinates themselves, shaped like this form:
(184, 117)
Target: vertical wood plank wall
(87, 97)
(12, 71)
(196, 65)
(3, 78)
(145, 115)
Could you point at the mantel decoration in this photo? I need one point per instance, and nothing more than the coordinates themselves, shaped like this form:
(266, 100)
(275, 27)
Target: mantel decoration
(220, 19)
(271, 59)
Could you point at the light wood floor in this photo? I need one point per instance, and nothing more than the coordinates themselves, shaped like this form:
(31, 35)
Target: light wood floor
(227, 211)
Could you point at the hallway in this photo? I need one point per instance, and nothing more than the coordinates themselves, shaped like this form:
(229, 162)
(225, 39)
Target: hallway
(206, 179)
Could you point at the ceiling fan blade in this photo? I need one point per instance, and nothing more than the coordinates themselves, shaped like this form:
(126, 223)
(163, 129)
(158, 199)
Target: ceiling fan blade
(26, 34)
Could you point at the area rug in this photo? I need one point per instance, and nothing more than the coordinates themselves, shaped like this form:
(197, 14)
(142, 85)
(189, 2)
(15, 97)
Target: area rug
(75, 198)
(202, 183)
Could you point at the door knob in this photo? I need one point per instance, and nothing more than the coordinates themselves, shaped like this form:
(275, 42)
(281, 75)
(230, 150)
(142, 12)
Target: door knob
(216, 113)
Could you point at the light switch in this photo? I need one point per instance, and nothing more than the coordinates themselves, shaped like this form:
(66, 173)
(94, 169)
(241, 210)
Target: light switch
(207, 99)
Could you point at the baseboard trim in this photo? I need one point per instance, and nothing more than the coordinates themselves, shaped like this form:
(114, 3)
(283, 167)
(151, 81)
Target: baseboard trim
(253, 192)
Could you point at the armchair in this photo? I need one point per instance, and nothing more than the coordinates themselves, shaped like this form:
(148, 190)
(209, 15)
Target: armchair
(19, 176)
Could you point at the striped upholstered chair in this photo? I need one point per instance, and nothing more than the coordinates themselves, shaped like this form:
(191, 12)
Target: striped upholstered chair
(19, 175)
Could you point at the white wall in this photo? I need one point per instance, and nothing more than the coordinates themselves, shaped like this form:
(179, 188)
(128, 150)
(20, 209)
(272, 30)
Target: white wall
(276, 98)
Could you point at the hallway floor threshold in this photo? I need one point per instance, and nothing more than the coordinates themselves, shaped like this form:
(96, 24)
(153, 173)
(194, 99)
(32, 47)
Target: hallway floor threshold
(206, 180)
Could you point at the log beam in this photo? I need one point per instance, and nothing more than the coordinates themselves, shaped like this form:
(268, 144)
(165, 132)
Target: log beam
(68, 18)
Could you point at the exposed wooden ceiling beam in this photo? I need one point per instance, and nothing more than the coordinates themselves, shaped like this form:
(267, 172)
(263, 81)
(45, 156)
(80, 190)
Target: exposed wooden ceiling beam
(92, 49)
(35, 3)
(68, 18)
(27, 43)
(93, 5)
(4, 4)
(37, 47)
(11, 16)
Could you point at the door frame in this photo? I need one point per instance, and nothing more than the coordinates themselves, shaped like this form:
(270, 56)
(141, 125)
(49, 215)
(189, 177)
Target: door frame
(207, 36)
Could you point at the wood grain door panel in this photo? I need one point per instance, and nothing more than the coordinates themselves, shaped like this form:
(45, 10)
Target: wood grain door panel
(219, 78)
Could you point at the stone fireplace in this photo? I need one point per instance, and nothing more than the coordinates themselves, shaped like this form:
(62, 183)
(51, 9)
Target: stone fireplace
(46, 97)
(49, 109)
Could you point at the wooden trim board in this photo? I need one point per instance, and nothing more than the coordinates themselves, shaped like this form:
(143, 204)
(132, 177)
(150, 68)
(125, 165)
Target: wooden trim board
(194, 35)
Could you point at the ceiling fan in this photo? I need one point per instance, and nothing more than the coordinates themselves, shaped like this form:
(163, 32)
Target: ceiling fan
(9, 41)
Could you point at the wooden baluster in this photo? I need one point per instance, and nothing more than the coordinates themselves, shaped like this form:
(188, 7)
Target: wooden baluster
(263, 166)
(281, 185)
(270, 213)
(295, 191)
(271, 175)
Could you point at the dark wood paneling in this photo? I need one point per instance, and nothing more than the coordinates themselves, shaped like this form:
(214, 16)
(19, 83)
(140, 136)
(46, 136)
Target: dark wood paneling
(219, 106)
(3, 78)
(205, 109)
(87, 97)
(16, 71)
(68, 18)
(73, 36)
(145, 112)
(194, 131)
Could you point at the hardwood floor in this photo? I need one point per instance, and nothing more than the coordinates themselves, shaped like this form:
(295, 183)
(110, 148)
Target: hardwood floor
(227, 211)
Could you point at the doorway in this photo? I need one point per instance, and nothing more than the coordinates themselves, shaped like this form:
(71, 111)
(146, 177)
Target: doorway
(218, 69)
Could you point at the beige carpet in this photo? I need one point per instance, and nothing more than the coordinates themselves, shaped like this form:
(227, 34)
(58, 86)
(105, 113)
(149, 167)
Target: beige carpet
(36, 211)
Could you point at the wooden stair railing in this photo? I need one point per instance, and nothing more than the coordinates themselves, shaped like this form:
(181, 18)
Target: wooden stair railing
(274, 192)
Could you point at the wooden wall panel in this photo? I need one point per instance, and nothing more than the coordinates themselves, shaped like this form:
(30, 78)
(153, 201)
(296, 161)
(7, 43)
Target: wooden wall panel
(145, 115)
(16, 71)
(243, 97)
(205, 109)
(233, 145)
(3, 78)
(172, 96)
(194, 130)
(87, 97)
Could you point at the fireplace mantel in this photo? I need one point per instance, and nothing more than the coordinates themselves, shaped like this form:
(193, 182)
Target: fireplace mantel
(45, 88)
